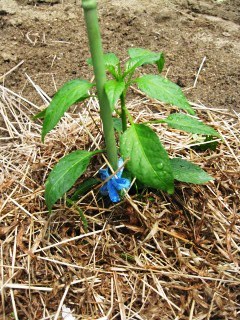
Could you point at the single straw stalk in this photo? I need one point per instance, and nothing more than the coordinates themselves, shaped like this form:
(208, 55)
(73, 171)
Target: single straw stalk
(95, 44)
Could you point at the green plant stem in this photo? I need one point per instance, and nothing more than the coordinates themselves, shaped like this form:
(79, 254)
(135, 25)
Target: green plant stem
(95, 44)
(130, 118)
(82, 216)
(123, 111)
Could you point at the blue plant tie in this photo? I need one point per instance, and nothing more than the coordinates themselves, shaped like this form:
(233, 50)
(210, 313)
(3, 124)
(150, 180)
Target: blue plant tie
(115, 184)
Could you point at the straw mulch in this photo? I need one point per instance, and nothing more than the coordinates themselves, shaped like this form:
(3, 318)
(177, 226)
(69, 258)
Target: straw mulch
(152, 256)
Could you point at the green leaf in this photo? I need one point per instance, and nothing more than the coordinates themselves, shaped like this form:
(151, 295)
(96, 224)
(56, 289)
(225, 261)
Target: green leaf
(111, 61)
(149, 161)
(117, 124)
(186, 123)
(141, 56)
(146, 56)
(114, 89)
(164, 90)
(40, 115)
(84, 187)
(89, 62)
(70, 93)
(203, 143)
(186, 171)
(65, 173)
(160, 63)
(138, 52)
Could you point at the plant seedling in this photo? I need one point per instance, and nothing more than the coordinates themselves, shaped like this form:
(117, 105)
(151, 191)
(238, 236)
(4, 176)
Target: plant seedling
(140, 147)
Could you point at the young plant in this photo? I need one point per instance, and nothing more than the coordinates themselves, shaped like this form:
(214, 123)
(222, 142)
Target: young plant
(140, 147)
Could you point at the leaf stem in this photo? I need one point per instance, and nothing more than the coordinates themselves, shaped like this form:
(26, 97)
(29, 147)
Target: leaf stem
(123, 111)
(82, 216)
(95, 44)
(130, 118)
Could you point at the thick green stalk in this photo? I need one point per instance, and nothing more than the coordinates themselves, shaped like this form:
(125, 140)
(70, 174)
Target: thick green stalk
(95, 44)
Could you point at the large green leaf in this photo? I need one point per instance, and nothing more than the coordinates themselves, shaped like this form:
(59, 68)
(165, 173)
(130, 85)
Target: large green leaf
(148, 160)
(186, 123)
(162, 89)
(114, 89)
(70, 93)
(65, 174)
(153, 57)
(186, 171)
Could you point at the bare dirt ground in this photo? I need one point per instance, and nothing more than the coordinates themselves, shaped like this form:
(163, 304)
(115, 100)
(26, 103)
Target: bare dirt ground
(151, 256)
(49, 36)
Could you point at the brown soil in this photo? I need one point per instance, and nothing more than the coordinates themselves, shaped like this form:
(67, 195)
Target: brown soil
(49, 35)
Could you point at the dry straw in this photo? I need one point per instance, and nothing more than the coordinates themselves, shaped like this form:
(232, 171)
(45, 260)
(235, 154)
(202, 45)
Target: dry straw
(152, 256)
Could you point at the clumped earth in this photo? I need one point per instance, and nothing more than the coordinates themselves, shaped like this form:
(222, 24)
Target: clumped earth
(151, 256)
(50, 37)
